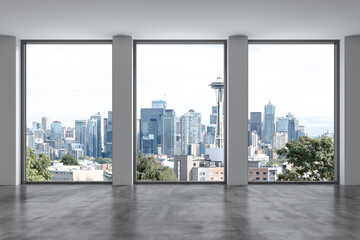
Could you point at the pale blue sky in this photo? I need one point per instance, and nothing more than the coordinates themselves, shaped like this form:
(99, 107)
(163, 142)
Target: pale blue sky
(70, 82)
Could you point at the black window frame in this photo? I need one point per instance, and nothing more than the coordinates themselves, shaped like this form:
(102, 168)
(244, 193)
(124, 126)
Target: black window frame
(336, 83)
(170, 42)
(23, 106)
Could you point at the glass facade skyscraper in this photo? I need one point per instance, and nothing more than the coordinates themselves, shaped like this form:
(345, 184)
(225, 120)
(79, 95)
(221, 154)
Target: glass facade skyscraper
(151, 130)
(169, 133)
(190, 124)
(255, 123)
(269, 122)
(56, 129)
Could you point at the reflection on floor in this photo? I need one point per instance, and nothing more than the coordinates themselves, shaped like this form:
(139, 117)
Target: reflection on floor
(179, 212)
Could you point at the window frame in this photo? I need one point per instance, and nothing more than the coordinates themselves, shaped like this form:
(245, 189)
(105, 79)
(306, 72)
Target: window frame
(184, 42)
(336, 83)
(24, 102)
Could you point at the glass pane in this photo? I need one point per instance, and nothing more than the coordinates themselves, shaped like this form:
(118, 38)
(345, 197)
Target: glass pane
(180, 112)
(69, 112)
(291, 112)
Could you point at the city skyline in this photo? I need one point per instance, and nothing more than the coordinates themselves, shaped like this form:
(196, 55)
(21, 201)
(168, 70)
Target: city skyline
(68, 82)
(296, 78)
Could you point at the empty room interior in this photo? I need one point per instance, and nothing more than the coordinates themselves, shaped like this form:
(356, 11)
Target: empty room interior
(179, 119)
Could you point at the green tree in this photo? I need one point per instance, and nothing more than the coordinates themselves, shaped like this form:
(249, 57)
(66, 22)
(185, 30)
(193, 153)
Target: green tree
(69, 159)
(101, 160)
(148, 169)
(312, 159)
(37, 166)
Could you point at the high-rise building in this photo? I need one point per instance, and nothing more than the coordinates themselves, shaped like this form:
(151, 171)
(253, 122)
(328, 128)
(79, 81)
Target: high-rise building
(45, 123)
(300, 132)
(210, 134)
(92, 138)
(254, 139)
(98, 143)
(80, 133)
(109, 135)
(178, 136)
(190, 124)
(282, 124)
(105, 134)
(158, 104)
(56, 130)
(269, 122)
(213, 115)
(279, 140)
(169, 133)
(293, 126)
(255, 123)
(151, 130)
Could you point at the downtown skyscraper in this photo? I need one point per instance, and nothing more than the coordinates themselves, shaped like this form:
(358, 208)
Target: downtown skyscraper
(56, 129)
(169, 133)
(269, 123)
(151, 130)
(190, 124)
(255, 123)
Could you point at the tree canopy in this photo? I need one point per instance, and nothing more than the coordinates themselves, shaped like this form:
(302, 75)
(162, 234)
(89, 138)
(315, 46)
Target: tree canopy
(148, 169)
(101, 160)
(311, 159)
(37, 166)
(69, 159)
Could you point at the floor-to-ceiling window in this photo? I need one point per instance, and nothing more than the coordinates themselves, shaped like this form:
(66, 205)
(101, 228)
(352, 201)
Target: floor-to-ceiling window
(180, 111)
(292, 107)
(67, 111)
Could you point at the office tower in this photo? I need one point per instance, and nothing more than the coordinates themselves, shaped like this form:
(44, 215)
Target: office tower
(254, 139)
(178, 137)
(190, 124)
(218, 85)
(293, 126)
(151, 129)
(80, 132)
(269, 122)
(158, 104)
(300, 132)
(255, 123)
(56, 130)
(92, 138)
(105, 134)
(98, 143)
(279, 140)
(109, 135)
(282, 124)
(210, 134)
(169, 133)
(213, 115)
(45, 123)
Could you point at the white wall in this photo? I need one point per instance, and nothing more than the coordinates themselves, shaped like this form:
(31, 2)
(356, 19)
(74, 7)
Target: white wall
(122, 111)
(351, 163)
(10, 111)
(237, 107)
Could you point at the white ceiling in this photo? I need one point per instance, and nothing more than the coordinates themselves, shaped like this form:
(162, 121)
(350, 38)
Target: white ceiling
(179, 19)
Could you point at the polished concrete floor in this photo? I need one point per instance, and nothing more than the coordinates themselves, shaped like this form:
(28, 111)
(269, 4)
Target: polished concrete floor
(180, 212)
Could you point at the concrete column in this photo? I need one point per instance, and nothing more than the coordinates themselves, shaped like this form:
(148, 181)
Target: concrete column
(350, 164)
(10, 111)
(122, 110)
(237, 108)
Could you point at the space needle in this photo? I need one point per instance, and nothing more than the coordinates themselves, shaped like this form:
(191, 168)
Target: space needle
(218, 85)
